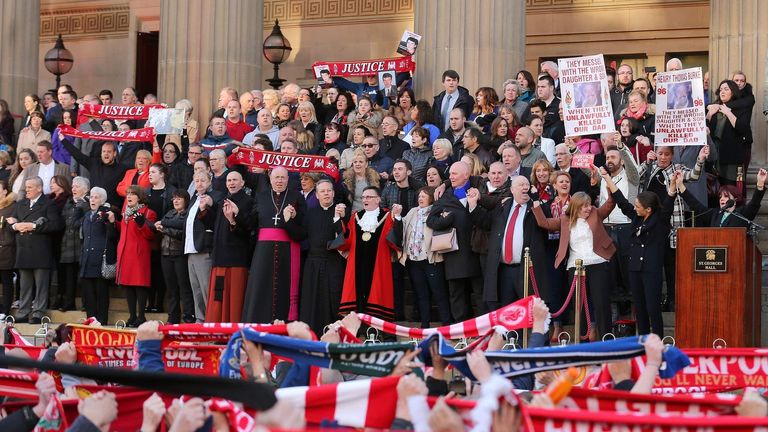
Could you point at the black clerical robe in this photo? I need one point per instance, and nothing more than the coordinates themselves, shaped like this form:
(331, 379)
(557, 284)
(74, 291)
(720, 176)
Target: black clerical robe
(323, 272)
(272, 291)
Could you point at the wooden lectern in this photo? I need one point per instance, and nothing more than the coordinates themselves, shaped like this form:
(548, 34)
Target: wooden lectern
(718, 284)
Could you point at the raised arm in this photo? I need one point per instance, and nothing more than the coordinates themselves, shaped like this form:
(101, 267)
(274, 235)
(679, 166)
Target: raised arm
(549, 224)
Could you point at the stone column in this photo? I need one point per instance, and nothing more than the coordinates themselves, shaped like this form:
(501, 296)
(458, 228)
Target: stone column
(483, 40)
(738, 40)
(19, 51)
(206, 45)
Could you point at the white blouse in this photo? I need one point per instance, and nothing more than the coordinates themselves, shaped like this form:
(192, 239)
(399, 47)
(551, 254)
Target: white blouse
(581, 245)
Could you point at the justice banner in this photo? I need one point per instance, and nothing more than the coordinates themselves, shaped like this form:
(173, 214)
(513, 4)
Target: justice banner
(143, 134)
(292, 162)
(586, 100)
(118, 112)
(325, 69)
(680, 113)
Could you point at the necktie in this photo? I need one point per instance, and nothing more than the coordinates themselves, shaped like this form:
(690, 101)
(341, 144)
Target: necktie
(723, 218)
(510, 235)
(446, 105)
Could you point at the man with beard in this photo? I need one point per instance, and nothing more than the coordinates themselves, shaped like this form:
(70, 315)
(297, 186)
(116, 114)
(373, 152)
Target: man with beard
(105, 171)
(323, 272)
(368, 278)
(623, 171)
(273, 283)
(620, 93)
(231, 251)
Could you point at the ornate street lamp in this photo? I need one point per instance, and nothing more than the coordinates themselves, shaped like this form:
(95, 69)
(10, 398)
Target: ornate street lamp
(59, 60)
(276, 50)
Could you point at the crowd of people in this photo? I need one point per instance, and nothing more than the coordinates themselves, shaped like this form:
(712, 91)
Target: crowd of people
(439, 201)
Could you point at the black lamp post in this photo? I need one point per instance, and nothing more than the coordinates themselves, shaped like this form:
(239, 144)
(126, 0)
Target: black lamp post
(58, 60)
(276, 50)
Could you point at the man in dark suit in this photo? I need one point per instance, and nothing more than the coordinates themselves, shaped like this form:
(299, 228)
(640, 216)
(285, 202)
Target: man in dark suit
(462, 267)
(34, 220)
(580, 182)
(512, 229)
(510, 157)
(454, 96)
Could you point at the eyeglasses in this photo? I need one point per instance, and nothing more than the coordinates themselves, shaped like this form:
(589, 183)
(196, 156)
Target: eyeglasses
(194, 153)
(368, 145)
(369, 196)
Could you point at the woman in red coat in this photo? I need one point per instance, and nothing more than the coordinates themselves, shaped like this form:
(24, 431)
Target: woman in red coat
(134, 250)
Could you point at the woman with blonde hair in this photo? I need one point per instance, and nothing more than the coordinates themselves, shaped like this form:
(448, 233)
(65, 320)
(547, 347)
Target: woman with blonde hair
(271, 100)
(358, 177)
(308, 118)
(442, 150)
(476, 167)
(583, 237)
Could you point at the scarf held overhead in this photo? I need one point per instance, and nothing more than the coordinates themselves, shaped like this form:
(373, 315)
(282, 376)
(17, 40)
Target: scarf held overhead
(370, 360)
(532, 360)
(144, 134)
(365, 67)
(517, 315)
(253, 158)
(117, 112)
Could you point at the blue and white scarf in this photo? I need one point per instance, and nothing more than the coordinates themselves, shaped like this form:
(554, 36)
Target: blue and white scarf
(532, 360)
(371, 360)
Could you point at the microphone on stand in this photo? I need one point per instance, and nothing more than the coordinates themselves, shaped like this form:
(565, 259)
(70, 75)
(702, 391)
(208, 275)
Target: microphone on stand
(728, 204)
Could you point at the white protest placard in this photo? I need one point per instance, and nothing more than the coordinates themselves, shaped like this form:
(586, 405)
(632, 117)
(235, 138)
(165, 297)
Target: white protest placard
(681, 118)
(586, 102)
(166, 120)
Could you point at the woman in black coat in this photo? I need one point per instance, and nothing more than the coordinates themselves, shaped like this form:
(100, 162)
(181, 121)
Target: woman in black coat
(174, 262)
(99, 242)
(731, 131)
(7, 244)
(650, 233)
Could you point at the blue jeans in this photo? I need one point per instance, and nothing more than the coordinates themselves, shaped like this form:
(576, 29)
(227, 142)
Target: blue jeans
(428, 280)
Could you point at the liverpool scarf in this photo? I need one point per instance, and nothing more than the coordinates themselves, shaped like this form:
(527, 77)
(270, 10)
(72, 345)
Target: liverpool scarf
(677, 404)
(371, 360)
(296, 162)
(366, 403)
(366, 67)
(532, 360)
(144, 134)
(117, 112)
(513, 316)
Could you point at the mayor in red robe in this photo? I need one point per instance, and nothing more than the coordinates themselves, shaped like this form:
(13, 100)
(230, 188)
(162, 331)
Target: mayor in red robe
(370, 240)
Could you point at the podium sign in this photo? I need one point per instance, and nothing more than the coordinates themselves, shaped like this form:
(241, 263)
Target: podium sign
(718, 285)
(710, 259)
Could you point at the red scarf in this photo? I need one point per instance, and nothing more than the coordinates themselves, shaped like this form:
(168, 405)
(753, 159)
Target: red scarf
(144, 134)
(637, 115)
(291, 161)
(117, 112)
(366, 67)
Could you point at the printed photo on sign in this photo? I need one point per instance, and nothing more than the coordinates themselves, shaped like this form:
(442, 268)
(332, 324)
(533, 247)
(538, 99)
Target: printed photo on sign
(166, 120)
(586, 101)
(681, 117)
(387, 84)
(588, 94)
(408, 43)
(681, 96)
(323, 74)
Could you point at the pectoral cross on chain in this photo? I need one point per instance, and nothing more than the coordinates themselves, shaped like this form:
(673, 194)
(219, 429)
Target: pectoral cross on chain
(276, 219)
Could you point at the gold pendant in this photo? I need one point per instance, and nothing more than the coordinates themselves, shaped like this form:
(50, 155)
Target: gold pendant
(366, 236)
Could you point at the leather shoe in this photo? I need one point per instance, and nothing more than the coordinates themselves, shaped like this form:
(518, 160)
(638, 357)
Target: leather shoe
(35, 321)
(21, 320)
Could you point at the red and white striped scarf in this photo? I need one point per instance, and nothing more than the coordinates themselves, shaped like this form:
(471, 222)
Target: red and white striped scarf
(361, 403)
(513, 316)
